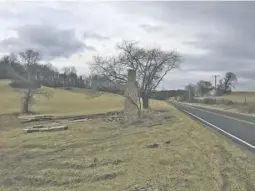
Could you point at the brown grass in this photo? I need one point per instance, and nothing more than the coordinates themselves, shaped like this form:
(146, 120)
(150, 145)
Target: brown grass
(240, 97)
(98, 155)
(65, 102)
(227, 104)
(166, 150)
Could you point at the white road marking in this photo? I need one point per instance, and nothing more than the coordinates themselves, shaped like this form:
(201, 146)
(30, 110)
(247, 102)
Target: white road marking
(210, 124)
(222, 115)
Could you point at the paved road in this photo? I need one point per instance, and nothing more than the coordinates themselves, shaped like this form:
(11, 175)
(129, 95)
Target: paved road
(239, 127)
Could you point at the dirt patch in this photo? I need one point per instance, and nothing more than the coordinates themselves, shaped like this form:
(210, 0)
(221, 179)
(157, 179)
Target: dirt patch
(152, 146)
(107, 176)
(149, 118)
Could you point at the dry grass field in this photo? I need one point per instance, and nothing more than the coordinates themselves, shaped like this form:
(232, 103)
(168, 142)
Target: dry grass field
(240, 97)
(240, 102)
(164, 151)
(63, 102)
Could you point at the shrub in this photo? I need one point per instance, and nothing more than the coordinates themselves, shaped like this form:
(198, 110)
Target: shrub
(209, 101)
(226, 102)
(229, 102)
(24, 85)
(249, 108)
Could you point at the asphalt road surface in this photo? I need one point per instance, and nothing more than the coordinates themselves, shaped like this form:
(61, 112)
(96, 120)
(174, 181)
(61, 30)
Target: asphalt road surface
(238, 127)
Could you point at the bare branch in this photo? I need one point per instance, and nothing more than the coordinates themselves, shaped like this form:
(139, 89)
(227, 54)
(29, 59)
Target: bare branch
(151, 65)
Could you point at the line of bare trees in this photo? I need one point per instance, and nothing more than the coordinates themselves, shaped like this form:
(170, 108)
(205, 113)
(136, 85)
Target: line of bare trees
(26, 66)
(204, 88)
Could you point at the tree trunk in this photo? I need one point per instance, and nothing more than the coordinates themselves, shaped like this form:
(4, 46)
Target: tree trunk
(145, 102)
(25, 102)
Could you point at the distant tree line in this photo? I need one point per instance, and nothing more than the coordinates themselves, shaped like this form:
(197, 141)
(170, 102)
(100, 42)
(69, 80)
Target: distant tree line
(26, 67)
(27, 71)
(102, 83)
(205, 88)
(166, 94)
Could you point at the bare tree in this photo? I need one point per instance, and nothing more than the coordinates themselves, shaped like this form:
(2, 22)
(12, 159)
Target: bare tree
(29, 57)
(69, 70)
(28, 98)
(227, 83)
(28, 90)
(151, 66)
(204, 87)
(190, 92)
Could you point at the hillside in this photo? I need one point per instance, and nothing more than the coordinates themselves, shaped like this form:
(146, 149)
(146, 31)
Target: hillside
(62, 101)
(163, 151)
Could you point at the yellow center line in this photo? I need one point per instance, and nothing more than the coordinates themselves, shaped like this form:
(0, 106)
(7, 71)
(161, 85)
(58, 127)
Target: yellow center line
(240, 120)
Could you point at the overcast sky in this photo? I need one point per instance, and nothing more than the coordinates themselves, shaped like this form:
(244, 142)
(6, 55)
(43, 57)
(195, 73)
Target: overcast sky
(212, 37)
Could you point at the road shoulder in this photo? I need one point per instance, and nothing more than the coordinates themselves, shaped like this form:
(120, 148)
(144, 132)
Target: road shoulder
(217, 107)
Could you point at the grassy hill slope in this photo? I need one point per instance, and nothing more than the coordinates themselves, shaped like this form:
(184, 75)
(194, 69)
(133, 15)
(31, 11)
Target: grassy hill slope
(178, 154)
(165, 151)
(64, 102)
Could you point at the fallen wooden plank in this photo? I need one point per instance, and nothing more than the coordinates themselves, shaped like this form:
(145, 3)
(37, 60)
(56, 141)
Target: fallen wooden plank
(151, 125)
(38, 126)
(80, 120)
(89, 116)
(46, 129)
(37, 118)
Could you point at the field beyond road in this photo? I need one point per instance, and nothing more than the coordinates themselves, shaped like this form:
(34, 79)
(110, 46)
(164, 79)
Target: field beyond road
(240, 102)
(164, 151)
(241, 97)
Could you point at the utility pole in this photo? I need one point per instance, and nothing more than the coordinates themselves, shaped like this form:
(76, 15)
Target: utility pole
(189, 92)
(215, 81)
(215, 84)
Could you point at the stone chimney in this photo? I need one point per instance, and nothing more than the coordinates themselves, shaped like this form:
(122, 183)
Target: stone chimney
(131, 94)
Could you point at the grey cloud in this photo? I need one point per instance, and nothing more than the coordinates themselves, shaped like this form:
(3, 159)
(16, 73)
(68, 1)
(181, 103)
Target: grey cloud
(247, 74)
(232, 48)
(246, 85)
(28, 13)
(150, 28)
(231, 45)
(214, 62)
(6, 14)
(95, 36)
(50, 41)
